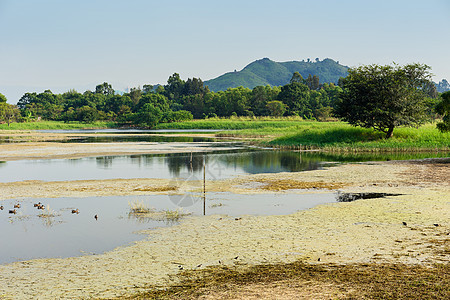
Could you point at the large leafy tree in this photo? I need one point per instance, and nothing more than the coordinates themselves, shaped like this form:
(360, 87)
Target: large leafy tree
(295, 97)
(105, 89)
(443, 108)
(384, 97)
(8, 112)
(2, 98)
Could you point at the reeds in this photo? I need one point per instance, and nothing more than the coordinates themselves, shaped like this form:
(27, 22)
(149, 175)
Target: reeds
(48, 213)
(142, 212)
(139, 207)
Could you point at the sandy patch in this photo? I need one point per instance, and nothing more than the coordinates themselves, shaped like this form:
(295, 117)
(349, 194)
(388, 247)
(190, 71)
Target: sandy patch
(44, 150)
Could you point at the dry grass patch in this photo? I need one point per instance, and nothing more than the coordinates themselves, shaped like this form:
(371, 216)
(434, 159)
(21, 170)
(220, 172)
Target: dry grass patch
(298, 279)
(289, 184)
(166, 188)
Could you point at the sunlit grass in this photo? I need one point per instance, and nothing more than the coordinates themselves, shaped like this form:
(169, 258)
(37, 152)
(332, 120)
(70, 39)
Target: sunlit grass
(346, 138)
(330, 136)
(234, 123)
(54, 125)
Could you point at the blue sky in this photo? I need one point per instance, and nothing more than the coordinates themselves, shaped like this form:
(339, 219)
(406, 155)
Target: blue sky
(58, 45)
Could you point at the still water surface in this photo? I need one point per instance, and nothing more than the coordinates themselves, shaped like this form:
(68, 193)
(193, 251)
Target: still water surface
(219, 165)
(26, 235)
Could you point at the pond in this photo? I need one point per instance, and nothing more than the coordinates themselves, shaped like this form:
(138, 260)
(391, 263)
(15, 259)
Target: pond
(219, 164)
(57, 232)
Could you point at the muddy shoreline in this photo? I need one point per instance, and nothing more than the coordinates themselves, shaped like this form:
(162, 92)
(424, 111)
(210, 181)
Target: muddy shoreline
(363, 231)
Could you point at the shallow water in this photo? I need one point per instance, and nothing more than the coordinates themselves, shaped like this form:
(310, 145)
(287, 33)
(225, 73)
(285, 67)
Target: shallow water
(26, 235)
(219, 165)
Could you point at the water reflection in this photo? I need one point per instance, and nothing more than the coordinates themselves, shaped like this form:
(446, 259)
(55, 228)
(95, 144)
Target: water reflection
(63, 234)
(219, 165)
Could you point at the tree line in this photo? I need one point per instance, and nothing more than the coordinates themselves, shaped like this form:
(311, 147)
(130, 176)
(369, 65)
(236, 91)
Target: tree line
(180, 100)
(395, 95)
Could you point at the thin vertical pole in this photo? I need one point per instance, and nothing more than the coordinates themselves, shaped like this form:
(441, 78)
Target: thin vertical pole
(204, 185)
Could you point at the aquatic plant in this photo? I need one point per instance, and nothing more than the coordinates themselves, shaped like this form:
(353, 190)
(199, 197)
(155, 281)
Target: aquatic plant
(48, 213)
(139, 207)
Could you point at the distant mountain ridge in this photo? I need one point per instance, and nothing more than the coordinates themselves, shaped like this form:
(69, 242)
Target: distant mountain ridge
(267, 72)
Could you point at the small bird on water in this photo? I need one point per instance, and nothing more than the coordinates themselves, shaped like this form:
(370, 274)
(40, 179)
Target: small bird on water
(96, 217)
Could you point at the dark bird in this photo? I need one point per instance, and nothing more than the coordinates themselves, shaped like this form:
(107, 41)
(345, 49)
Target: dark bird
(1, 207)
(404, 223)
(199, 265)
(180, 267)
(17, 205)
(436, 225)
(96, 217)
(236, 257)
(41, 207)
(75, 211)
(318, 259)
(12, 211)
(37, 204)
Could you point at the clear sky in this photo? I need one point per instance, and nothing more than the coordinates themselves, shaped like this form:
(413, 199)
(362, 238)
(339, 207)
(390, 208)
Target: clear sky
(58, 45)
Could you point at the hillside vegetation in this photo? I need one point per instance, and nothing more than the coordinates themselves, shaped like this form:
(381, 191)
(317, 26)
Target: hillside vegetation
(267, 72)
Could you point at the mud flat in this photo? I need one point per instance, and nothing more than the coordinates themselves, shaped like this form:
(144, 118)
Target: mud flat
(363, 231)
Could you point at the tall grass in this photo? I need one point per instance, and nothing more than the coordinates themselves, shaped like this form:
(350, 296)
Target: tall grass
(54, 125)
(293, 132)
(233, 123)
(342, 137)
(330, 136)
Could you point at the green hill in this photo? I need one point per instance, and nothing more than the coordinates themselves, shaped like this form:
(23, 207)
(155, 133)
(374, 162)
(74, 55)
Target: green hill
(266, 71)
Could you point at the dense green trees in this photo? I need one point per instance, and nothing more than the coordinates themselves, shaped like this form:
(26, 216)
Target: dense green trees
(443, 108)
(373, 96)
(2, 98)
(384, 97)
(180, 100)
(8, 113)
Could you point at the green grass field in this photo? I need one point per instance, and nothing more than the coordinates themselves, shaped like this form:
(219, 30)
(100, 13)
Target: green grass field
(292, 133)
(55, 125)
(329, 136)
(234, 123)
